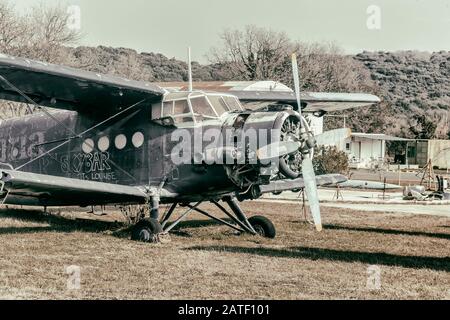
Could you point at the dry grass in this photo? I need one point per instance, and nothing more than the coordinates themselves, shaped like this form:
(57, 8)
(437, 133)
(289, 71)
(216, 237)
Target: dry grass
(205, 260)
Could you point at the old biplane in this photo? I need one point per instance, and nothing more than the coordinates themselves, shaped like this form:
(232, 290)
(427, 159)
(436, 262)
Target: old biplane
(100, 140)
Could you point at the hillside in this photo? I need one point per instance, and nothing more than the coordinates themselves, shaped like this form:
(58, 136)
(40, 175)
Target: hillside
(412, 83)
(138, 66)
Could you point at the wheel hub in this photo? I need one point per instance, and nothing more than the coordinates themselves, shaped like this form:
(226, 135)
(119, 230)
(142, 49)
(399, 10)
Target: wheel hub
(259, 230)
(144, 235)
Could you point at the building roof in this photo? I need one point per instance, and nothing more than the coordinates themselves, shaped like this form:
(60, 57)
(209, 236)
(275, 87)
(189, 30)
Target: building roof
(378, 136)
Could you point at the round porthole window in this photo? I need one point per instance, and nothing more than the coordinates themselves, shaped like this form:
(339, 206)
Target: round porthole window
(138, 139)
(103, 144)
(120, 141)
(88, 145)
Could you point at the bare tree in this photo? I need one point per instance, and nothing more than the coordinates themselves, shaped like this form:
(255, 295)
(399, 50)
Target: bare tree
(262, 54)
(12, 29)
(252, 54)
(48, 33)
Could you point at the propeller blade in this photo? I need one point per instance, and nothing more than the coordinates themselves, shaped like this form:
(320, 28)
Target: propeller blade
(296, 82)
(309, 179)
(277, 149)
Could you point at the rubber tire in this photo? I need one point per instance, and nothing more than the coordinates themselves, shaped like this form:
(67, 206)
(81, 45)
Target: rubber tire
(263, 226)
(286, 171)
(145, 230)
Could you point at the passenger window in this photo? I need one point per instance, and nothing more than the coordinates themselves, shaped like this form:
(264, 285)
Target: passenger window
(218, 104)
(201, 106)
(181, 106)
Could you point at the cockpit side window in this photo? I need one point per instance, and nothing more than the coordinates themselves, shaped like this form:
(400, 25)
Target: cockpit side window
(182, 112)
(167, 108)
(179, 110)
(181, 106)
(232, 103)
(201, 106)
(218, 104)
(195, 106)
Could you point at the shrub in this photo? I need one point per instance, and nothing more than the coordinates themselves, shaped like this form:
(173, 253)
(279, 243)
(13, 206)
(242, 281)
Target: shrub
(328, 159)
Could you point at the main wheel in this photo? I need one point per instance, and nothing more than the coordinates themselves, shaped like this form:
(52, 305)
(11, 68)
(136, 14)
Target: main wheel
(146, 230)
(263, 226)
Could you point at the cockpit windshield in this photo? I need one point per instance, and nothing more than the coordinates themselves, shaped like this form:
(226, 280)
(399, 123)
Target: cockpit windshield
(195, 106)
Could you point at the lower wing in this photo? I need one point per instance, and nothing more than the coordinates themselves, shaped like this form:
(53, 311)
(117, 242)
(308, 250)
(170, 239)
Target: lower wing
(24, 188)
(285, 185)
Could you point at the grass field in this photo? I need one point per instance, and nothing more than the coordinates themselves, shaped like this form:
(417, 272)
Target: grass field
(205, 260)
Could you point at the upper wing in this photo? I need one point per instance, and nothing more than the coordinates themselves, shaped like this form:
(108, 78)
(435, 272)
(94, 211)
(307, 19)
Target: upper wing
(284, 185)
(311, 101)
(258, 92)
(24, 188)
(68, 88)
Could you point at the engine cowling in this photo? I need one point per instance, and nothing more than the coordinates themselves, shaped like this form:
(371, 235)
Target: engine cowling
(248, 133)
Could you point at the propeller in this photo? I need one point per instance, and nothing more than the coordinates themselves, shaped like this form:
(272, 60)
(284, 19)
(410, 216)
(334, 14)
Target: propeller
(269, 152)
(309, 177)
(277, 149)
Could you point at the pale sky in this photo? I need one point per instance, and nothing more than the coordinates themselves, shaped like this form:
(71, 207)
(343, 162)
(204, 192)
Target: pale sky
(169, 26)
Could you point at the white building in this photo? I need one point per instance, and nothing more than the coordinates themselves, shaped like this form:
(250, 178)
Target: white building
(364, 150)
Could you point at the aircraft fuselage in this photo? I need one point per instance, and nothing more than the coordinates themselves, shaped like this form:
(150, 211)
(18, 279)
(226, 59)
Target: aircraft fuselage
(131, 150)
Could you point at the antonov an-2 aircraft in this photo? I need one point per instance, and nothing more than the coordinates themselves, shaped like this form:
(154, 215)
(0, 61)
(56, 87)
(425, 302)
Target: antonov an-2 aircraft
(108, 140)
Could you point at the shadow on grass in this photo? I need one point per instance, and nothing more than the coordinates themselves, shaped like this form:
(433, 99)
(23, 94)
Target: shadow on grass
(55, 223)
(62, 224)
(389, 231)
(372, 258)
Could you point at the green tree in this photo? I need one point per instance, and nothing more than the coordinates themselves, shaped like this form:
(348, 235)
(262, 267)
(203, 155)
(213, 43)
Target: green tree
(422, 127)
(328, 159)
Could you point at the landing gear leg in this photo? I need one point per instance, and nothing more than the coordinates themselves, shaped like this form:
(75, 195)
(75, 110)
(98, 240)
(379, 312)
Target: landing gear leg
(154, 207)
(148, 229)
(167, 216)
(257, 224)
(236, 208)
